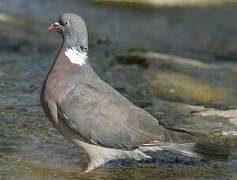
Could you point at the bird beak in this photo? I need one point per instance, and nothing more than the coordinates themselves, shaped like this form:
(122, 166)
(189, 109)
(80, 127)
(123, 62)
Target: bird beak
(54, 26)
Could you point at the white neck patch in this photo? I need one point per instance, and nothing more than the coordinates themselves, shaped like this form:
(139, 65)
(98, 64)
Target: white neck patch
(75, 56)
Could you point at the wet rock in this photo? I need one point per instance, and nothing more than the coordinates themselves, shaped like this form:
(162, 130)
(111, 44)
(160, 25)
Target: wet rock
(146, 57)
(223, 49)
(7, 18)
(103, 40)
(164, 3)
(208, 124)
(181, 79)
(133, 58)
(184, 88)
(234, 71)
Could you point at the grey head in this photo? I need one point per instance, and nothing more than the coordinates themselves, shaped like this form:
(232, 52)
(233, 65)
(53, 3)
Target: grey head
(73, 29)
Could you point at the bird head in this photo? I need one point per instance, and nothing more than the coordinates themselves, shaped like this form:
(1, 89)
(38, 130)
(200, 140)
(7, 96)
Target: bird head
(73, 30)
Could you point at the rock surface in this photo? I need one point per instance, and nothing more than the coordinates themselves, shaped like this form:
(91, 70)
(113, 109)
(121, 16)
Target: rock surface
(166, 3)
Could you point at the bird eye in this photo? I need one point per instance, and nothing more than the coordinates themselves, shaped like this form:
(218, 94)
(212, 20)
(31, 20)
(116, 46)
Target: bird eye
(66, 23)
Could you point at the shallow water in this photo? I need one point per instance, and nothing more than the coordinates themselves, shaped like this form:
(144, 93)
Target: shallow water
(30, 148)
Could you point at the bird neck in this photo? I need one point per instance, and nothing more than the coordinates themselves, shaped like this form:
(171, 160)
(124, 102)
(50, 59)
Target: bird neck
(76, 56)
(78, 44)
(75, 50)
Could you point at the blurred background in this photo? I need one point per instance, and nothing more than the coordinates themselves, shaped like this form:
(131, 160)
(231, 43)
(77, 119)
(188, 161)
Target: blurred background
(176, 59)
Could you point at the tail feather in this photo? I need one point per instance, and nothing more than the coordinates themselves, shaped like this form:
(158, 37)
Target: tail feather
(178, 136)
(183, 142)
(200, 150)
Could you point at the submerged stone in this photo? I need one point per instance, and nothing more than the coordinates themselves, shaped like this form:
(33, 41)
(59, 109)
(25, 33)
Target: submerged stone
(184, 88)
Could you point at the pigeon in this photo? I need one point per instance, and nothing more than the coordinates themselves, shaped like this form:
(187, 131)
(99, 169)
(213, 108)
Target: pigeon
(93, 115)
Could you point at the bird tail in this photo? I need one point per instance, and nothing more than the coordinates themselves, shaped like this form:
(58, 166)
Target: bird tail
(200, 150)
(185, 143)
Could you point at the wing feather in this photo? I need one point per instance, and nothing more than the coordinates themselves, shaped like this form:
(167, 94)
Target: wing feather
(103, 116)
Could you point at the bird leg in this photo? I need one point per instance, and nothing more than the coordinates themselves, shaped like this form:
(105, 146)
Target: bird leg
(92, 156)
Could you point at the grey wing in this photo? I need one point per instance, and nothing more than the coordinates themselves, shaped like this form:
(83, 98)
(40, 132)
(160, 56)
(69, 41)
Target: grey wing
(103, 116)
